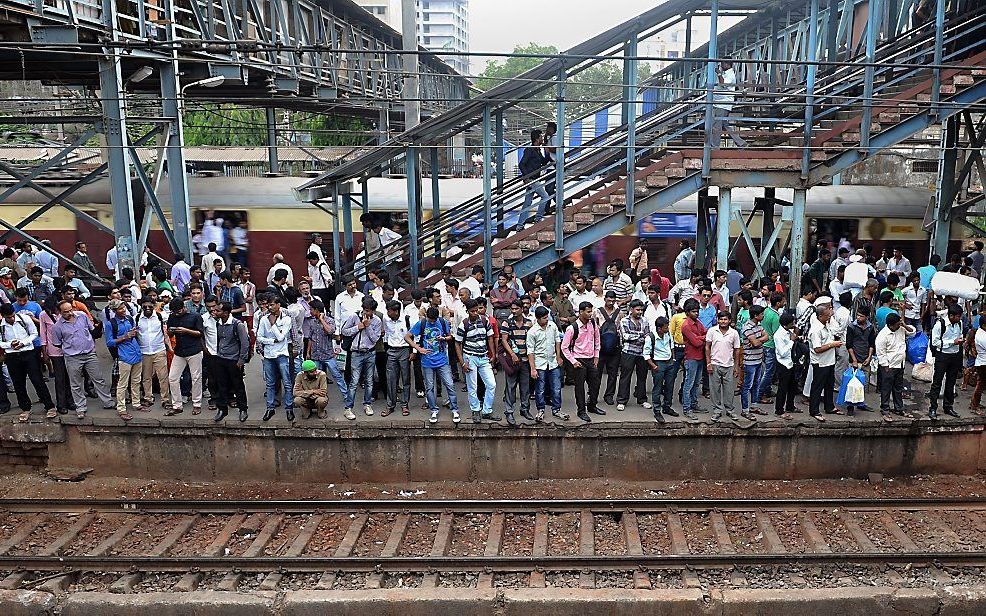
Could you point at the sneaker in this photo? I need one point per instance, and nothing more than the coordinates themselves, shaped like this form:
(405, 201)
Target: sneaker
(419, 394)
(690, 415)
(367, 409)
(647, 405)
(476, 418)
(560, 415)
(455, 417)
(348, 414)
(434, 417)
(621, 407)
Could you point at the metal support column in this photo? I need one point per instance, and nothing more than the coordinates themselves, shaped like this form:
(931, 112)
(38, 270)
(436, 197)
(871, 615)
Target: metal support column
(347, 227)
(724, 216)
(181, 214)
(413, 210)
(487, 196)
(767, 227)
(499, 157)
(872, 30)
(702, 228)
(688, 35)
(797, 244)
(810, 87)
(273, 166)
(710, 84)
(365, 195)
(409, 31)
(939, 42)
(560, 163)
(945, 192)
(832, 33)
(115, 130)
(436, 198)
(336, 254)
(630, 64)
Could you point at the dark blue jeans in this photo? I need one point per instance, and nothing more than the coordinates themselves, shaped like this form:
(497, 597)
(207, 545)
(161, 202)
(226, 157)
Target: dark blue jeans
(663, 379)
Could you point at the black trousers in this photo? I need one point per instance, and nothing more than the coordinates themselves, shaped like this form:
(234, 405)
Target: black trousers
(63, 389)
(27, 365)
(588, 377)
(610, 364)
(892, 385)
(419, 377)
(631, 365)
(822, 382)
(786, 390)
(228, 379)
(947, 368)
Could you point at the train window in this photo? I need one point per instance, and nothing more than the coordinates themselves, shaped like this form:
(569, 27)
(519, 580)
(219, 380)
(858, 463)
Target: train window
(229, 219)
(924, 166)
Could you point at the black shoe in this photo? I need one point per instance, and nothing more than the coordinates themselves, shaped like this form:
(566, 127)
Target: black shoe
(243, 415)
(268, 414)
(290, 414)
(933, 415)
(609, 400)
(527, 415)
(671, 413)
(597, 411)
(659, 418)
(584, 416)
(220, 415)
(951, 413)
(492, 417)
(510, 419)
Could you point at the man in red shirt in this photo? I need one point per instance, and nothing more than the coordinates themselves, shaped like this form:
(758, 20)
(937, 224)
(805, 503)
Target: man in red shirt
(693, 333)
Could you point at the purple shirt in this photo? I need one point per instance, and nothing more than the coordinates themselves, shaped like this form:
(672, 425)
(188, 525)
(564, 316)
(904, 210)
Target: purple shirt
(75, 337)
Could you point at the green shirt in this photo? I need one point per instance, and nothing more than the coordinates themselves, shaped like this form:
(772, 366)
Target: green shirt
(741, 318)
(771, 323)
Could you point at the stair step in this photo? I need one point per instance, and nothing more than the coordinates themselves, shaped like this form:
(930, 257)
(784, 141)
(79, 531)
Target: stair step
(962, 80)
(585, 218)
(678, 172)
(602, 208)
(570, 227)
(890, 117)
(690, 163)
(511, 253)
(657, 181)
(546, 236)
(529, 244)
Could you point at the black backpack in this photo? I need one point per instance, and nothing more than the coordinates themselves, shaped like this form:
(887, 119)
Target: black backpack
(609, 334)
(575, 333)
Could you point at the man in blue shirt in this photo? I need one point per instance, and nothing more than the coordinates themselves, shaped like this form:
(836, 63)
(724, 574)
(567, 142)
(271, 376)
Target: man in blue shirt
(121, 334)
(23, 304)
(430, 338)
(47, 261)
(928, 271)
(76, 283)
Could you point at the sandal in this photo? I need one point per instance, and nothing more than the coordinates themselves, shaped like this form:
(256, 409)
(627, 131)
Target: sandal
(405, 412)
(80, 414)
(173, 412)
(196, 410)
(125, 416)
(143, 409)
(786, 416)
(819, 418)
(51, 414)
(24, 417)
(386, 412)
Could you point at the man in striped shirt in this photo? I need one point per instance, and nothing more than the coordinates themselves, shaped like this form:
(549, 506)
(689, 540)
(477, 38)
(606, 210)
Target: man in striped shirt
(753, 336)
(633, 331)
(513, 334)
(619, 283)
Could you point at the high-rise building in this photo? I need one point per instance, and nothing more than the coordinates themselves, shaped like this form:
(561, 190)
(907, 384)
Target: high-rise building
(443, 25)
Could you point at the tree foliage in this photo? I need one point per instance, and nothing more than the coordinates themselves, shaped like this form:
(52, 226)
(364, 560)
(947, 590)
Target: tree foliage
(229, 125)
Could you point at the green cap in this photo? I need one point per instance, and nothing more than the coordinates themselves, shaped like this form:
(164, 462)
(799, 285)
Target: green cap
(308, 365)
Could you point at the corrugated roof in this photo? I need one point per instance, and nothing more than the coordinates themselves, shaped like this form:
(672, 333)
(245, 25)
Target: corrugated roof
(192, 154)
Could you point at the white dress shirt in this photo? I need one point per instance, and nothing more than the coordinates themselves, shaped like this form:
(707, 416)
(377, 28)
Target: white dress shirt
(275, 336)
(211, 339)
(281, 266)
(347, 305)
(474, 286)
(891, 346)
(151, 333)
(22, 330)
(394, 331)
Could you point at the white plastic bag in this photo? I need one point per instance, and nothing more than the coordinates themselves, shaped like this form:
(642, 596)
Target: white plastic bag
(856, 275)
(957, 285)
(923, 372)
(855, 391)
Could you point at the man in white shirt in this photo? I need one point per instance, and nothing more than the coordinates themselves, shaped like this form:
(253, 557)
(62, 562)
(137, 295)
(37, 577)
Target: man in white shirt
(279, 264)
(209, 259)
(214, 232)
(654, 307)
(274, 333)
(395, 328)
(349, 302)
(474, 282)
(152, 333)
(683, 262)
(17, 335)
(946, 346)
(581, 293)
(915, 300)
(722, 101)
(899, 264)
(316, 247)
(822, 344)
(320, 276)
(112, 263)
(891, 351)
(841, 260)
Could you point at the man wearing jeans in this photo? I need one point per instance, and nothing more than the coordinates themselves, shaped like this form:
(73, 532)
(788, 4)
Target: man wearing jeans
(513, 338)
(722, 352)
(531, 164)
(693, 333)
(365, 328)
(543, 351)
(658, 353)
(274, 333)
(73, 333)
(753, 338)
(771, 323)
(321, 347)
(429, 337)
(475, 348)
(581, 348)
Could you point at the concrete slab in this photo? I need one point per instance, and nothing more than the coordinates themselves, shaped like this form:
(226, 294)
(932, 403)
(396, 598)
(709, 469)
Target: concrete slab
(611, 601)
(866, 601)
(414, 602)
(446, 456)
(170, 604)
(307, 461)
(26, 603)
(962, 601)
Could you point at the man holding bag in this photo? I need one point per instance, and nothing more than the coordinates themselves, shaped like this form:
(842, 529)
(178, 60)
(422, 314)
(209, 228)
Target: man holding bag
(946, 346)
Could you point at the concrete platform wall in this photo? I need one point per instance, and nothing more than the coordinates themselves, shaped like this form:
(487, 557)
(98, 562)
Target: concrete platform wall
(201, 452)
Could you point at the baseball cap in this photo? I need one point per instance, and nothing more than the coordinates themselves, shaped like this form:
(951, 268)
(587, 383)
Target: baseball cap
(5, 271)
(823, 300)
(308, 365)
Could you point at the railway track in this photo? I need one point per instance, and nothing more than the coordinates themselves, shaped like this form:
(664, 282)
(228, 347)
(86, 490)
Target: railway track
(45, 540)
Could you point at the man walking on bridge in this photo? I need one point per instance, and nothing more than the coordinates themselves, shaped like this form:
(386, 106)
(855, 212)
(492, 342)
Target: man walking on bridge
(531, 164)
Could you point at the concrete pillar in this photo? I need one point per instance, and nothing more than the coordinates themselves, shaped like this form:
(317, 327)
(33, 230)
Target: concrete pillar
(409, 30)
(273, 166)
(723, 218)
(797, 243)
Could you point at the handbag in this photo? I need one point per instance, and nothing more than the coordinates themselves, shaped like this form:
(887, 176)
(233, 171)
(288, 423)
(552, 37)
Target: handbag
(507, 362)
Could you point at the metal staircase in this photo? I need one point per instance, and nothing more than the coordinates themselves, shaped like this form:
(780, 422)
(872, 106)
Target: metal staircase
(670, 163)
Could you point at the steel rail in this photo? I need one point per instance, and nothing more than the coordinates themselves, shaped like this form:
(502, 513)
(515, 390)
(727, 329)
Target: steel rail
(657, 505)
(305, 564)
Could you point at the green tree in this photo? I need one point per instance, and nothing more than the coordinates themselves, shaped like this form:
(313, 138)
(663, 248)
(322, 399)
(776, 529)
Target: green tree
(497, 71)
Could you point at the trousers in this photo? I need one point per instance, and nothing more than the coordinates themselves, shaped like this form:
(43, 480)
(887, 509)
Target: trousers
(178, 365)
(722, 387)
(398, 377)
(588, 377)
(23, 366)
(947, 368)
(78, 368)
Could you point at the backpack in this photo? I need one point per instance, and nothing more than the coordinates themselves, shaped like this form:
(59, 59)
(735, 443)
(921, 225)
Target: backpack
(236, 328)
(609, 334)
(936, 351)
(115, 327)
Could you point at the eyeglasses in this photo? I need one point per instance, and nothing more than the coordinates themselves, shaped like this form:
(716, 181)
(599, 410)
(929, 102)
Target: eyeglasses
(706, 296)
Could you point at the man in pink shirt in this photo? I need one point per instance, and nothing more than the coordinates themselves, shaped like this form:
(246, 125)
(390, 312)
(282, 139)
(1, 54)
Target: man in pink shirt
(580, 346)
(722, 358)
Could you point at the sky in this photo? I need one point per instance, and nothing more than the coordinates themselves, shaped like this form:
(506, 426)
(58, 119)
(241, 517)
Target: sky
(500, 25)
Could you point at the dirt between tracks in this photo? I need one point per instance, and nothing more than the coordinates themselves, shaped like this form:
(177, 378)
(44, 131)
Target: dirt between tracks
(38, 486)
